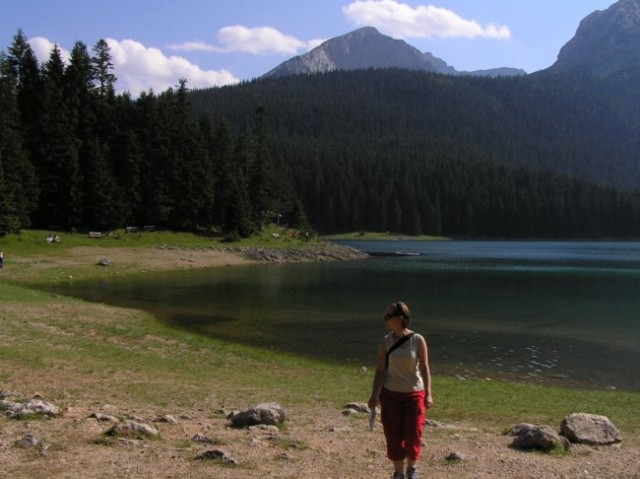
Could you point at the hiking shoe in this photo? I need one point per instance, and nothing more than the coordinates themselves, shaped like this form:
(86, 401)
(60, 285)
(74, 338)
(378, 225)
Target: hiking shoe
(398, 475)
(412, 473)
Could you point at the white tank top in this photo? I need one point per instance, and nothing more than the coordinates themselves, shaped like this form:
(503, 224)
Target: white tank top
(403, 374)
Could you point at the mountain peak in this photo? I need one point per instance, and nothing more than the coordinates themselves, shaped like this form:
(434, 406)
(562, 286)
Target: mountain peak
(366, 48)
(360, 49)
(606, 41)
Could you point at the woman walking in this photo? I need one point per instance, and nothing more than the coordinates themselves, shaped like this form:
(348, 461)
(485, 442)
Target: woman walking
(402, 385)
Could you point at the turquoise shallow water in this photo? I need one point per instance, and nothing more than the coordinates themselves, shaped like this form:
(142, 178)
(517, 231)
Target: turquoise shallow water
(565, 313)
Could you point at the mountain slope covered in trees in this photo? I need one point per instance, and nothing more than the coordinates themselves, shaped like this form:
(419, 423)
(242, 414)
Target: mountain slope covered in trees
(547, 155)
(551, 155)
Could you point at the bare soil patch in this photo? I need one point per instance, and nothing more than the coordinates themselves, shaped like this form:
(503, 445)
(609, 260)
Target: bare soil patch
(316, 443)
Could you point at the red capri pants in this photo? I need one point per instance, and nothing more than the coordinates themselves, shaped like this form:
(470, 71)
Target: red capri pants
(402, 419)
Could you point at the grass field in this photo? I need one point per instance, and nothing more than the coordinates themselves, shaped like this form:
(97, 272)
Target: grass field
(58, 335)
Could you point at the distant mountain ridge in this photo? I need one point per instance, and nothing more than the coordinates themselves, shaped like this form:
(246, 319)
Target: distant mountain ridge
(606, 41)
(367, 48)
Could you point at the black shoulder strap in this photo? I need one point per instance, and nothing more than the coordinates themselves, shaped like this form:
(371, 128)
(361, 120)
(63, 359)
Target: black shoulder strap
(395, 346)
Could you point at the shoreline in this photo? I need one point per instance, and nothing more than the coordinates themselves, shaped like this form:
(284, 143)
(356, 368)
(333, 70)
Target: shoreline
(82, 262)
(95, 358)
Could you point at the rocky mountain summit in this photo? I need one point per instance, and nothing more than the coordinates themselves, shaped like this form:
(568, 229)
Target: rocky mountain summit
(606, 42)
(368, 48)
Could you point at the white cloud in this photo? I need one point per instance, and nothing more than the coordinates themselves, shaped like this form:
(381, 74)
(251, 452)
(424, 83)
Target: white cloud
(256, 41)
(404, 21)
(194, 47)
(139, 68)
(42, 49)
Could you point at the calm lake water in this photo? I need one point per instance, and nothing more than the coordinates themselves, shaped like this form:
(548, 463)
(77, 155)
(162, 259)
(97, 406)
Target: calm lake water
(565, 313)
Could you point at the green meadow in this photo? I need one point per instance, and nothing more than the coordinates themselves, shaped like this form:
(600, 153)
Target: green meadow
(69, 350)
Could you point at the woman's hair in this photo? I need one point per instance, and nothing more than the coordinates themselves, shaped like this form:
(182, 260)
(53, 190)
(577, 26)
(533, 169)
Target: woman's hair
(401, 309)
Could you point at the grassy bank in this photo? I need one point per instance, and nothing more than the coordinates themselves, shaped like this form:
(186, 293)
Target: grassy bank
(33, 242)
(72, 351)
(29, 258)
(382, 236)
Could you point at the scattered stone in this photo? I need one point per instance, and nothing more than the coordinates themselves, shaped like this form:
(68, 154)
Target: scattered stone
(104, 262)
(455, 457)
(266, 413)
(589, 429)
(132, 429)
(27, 442)
(543, 438)
(33, 407)
(349, 412)
(432, 423)
(167, 418)
(228, 413)
(6, 404)
(202, 439)
(318, 252)
(270, 430)
(358, 407)
(5, 394)
(98, 416)
(217, 455)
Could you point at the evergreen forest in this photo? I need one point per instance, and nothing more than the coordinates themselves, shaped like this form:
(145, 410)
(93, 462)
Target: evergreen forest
(547, 155)
(75, 155)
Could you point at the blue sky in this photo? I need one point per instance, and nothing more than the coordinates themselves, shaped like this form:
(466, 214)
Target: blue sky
(217, 42)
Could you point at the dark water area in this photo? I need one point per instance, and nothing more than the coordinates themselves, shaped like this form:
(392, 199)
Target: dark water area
(564, 313)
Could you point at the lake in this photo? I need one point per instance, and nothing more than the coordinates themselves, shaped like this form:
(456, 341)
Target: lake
(564, 313)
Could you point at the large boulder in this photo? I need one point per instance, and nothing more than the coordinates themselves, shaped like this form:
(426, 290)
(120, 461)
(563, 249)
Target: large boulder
(543, 438)
(589, 429)
(271, 414)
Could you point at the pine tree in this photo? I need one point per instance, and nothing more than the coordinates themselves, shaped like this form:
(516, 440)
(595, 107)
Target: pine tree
(261, 183)
(56, 153)
(9, 218)
(19, 175)
(105, 79)
(221, 151)
(126, 161)
(23, 67)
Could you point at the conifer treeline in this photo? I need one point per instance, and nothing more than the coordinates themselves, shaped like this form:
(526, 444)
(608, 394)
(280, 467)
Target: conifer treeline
(73, 154)
(412, 152)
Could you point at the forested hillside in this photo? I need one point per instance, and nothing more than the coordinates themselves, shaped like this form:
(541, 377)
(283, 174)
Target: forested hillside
(544, 156)
(548, 155)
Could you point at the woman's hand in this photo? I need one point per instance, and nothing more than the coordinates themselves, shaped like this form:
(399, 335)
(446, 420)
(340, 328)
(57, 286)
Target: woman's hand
(428, 401)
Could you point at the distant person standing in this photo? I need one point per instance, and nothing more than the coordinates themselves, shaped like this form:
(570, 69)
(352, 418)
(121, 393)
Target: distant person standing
(1, 258)
(402, 385)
